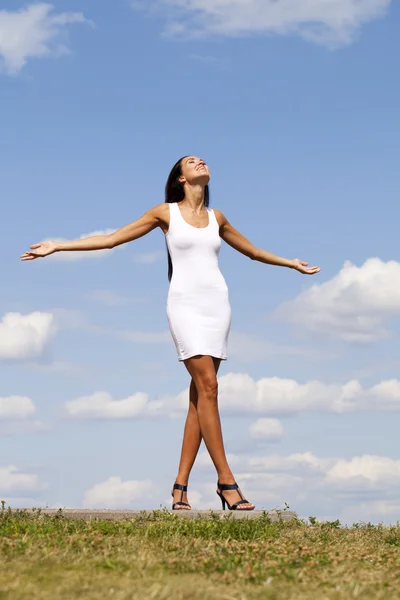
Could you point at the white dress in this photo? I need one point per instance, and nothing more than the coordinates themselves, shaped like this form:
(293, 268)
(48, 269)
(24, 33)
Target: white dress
(198, 309)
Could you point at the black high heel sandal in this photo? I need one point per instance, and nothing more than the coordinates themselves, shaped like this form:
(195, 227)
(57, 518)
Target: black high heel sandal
(223, 487)
(182, 488)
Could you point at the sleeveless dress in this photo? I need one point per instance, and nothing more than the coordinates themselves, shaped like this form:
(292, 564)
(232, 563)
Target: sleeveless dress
(198, 309)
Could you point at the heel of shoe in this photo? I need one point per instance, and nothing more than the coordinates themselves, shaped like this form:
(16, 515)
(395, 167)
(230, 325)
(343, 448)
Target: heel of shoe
(228, 487)
(222, 500)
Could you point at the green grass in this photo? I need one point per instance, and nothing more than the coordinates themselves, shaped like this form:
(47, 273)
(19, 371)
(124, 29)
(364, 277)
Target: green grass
(163, 556)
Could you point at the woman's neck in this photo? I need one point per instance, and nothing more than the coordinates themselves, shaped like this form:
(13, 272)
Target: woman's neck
(194, 197)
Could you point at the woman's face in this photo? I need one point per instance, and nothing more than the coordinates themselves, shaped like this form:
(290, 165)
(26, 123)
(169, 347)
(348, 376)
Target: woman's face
(194, 171)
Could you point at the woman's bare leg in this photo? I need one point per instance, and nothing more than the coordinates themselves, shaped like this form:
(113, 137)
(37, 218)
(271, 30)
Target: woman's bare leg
(204, 375)
(191, 439)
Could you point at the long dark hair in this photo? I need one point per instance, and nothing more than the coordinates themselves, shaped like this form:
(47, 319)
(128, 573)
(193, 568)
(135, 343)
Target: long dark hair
(174, 192)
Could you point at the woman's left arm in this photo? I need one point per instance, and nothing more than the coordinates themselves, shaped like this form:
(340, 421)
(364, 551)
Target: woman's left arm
(234, 238)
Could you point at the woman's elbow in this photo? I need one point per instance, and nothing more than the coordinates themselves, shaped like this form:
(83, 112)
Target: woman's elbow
(254, 253)
(110, 241)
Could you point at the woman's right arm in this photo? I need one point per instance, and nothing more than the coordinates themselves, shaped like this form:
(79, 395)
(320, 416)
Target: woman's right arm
(158, 216)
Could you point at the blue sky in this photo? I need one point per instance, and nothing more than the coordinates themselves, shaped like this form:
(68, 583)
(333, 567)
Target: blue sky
(296, 113)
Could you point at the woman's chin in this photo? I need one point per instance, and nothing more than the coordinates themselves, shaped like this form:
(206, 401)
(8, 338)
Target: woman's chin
(202, 179)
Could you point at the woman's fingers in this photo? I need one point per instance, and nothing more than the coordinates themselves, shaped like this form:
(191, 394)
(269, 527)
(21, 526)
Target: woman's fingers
(32, 255)
(302, 267)
(29, 256)
(308, 271)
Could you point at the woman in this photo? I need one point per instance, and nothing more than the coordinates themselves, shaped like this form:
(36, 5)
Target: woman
(198, 306)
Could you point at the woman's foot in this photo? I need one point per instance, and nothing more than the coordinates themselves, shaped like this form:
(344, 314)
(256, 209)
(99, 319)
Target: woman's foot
(180, 500)
(233, 497)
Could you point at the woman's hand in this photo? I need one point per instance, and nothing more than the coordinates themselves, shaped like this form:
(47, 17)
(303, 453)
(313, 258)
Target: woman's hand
(302, 267)
(40, 250)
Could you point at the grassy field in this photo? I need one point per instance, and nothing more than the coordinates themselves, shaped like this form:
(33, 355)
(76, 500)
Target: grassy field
(164, 557)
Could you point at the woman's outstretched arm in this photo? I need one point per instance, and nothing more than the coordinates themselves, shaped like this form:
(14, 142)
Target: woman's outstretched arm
(234, 238)
(156, 217)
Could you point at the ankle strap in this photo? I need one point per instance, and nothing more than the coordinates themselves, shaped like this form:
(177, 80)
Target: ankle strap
(182, 488)
(227, 486)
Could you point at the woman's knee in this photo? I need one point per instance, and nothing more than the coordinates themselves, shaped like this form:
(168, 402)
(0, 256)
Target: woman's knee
(208, 386)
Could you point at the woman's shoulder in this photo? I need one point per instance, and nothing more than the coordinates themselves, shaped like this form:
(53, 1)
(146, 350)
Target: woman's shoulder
(160, 214)
(160, 210)
(219, 215)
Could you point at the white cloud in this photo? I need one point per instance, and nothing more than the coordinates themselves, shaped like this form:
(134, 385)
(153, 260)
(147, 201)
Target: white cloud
(33, 32)
(354, 306)
(266, 429)
(17, 417)
(74, 256)
(101, 405)
(12, 482)
(16, 408)
(115, 493)
(274, 395)
(239, 394)
(329, 22)
(25, 336)
(365, 471)
(389, 392)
